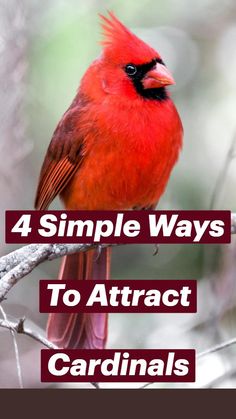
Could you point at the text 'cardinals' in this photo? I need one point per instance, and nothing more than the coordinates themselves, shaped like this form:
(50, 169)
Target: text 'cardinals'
(118, 365)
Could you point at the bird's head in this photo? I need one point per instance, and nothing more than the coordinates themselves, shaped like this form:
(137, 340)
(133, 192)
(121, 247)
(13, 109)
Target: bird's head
(129, 66)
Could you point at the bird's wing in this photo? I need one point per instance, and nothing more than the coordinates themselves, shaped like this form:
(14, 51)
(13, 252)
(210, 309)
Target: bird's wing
(63, 158)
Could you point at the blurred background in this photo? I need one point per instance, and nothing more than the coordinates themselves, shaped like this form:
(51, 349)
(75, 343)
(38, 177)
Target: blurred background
(45, 47)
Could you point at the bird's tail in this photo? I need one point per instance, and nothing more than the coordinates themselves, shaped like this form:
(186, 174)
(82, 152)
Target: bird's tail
(81, 330)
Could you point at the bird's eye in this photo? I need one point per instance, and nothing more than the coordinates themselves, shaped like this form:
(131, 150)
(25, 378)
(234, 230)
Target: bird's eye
(130, 69)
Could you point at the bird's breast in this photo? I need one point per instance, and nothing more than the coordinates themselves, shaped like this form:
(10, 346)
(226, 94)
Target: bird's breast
(128, 158)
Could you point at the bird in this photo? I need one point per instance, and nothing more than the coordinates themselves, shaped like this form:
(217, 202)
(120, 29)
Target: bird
(113, 149)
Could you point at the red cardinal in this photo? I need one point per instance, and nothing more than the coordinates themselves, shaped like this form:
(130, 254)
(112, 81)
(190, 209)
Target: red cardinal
(113, 149)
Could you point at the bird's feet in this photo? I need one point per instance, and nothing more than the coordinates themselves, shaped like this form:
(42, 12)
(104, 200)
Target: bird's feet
(156, 249)
(99, 251)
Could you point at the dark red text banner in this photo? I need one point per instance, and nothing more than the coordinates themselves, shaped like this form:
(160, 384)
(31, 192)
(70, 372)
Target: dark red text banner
(117, 365)
(118, 227)
(118, 296)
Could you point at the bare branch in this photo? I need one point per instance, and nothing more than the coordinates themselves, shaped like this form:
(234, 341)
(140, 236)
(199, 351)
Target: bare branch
(18, 264)
(19, 327)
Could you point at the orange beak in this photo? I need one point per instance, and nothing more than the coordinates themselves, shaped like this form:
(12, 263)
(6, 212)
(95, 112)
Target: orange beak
(157, 77)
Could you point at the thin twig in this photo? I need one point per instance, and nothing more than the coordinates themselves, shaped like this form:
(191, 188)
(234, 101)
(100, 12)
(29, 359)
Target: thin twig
(19, 327)
(220, 379)
(209, 351)
(12, 331)
(233, 223)
(223, 173)
(217, 348)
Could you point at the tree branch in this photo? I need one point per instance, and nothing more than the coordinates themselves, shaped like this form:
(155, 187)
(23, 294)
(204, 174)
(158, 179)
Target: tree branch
(19, 327)
(21, 262)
